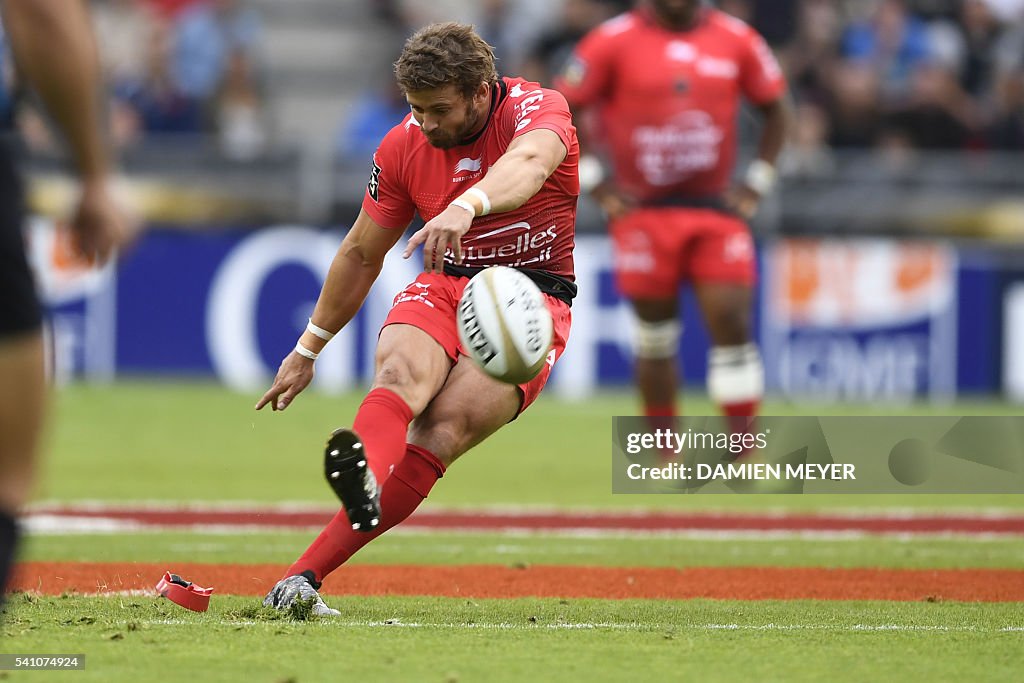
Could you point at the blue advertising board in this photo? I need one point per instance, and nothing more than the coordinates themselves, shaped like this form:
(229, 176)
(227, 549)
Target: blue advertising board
(838, 320)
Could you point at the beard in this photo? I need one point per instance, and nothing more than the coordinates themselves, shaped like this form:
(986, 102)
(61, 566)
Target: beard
(676, 13)
(443, 140)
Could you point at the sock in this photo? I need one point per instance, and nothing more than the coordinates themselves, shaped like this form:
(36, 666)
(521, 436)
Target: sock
(659, 411)
(401, 494)
(382, 422)
(8, 546)
(661, 417)
(736, 384)
(740, 409)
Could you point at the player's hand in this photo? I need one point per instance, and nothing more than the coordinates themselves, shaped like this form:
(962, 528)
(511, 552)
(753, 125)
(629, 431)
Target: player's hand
(443, 231)
(294, 375)
(98, 225)
(743, 201)
(614, 202)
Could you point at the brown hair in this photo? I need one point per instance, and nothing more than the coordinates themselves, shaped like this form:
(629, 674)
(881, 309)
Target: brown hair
(446, 54)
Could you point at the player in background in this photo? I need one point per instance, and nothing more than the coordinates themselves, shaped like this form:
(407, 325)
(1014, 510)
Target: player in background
(662, 85)
(55, 54)
(490, 164)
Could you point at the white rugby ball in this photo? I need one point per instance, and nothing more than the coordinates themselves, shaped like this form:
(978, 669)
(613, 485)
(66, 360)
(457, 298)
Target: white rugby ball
(505, 325)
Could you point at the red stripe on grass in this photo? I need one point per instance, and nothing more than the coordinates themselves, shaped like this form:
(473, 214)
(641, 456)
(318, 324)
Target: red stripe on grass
(488, 520)
(488, 581)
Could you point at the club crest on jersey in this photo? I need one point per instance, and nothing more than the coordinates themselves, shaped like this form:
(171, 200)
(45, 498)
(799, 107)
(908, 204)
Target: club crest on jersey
(680, 51)
(467, 169)
(467, 164)
(374, 185)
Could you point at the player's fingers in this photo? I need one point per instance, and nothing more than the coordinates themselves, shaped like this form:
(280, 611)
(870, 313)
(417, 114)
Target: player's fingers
(457, 250)
(417, 239)
(438, 244)
(267, 397)
(428, 253)
(439, 248)
(285, 399)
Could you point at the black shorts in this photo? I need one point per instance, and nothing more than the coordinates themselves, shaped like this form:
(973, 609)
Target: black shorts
(20, 310)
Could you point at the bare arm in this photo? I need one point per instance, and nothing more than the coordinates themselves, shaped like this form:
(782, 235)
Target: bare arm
(776, 119)
(355, 267)
(521, 171)
(596, 178)
(55, 51)
(513, 179)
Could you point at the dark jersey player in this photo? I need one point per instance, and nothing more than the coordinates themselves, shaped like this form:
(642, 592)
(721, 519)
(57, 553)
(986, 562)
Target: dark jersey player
(663, 85)
(55, 54)
(491, 165)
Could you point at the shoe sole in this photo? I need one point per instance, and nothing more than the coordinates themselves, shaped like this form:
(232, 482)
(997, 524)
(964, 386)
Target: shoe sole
(347, 474)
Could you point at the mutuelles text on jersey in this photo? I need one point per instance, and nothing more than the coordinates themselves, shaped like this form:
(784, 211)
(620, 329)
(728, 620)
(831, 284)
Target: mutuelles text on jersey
(411, 176)
(670, 127)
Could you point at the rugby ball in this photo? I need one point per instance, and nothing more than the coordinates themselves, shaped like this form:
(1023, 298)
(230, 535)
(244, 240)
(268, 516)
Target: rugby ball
(505, 325)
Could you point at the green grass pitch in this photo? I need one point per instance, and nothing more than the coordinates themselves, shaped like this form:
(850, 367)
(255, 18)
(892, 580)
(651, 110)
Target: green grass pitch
(140, 441)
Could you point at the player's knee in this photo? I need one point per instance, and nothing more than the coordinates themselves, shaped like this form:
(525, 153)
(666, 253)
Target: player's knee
(393, 373)
(658, 340)
(729, 326)
(16, 476)
(398, 376)
(735, 374)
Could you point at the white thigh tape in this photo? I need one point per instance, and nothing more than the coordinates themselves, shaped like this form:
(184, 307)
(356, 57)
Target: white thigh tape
(658, 340)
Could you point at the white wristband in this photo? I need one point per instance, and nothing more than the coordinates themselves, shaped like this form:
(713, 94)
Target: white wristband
(760, 177)
(319, 331)
(484, 199)
(463, 204)
(592, 172)
(304, 352)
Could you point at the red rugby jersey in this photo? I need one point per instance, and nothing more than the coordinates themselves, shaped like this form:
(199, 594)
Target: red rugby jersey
(668, 100)
(409, 175)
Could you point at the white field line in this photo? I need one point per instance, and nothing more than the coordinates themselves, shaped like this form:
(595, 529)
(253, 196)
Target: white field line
(573, 626)
(880, 512)
(56, 525)
(628, 626)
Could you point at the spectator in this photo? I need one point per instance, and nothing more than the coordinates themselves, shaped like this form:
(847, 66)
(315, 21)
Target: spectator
(891, 40)
(807, 154)
(811, 55)
(376, 112)
(241, 128)
(553, 48)
(155, 104)
(937, 114)
(206, 35)
(123, 30)
(969, 46)
(853, 105)
(1007, 129)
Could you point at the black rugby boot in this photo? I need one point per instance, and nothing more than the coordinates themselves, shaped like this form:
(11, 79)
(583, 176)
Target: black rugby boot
(352, 480)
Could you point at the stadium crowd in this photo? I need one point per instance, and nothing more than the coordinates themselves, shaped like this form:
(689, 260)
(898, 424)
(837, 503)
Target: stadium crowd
(886, 74)
(889, 74)
(179, 68)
